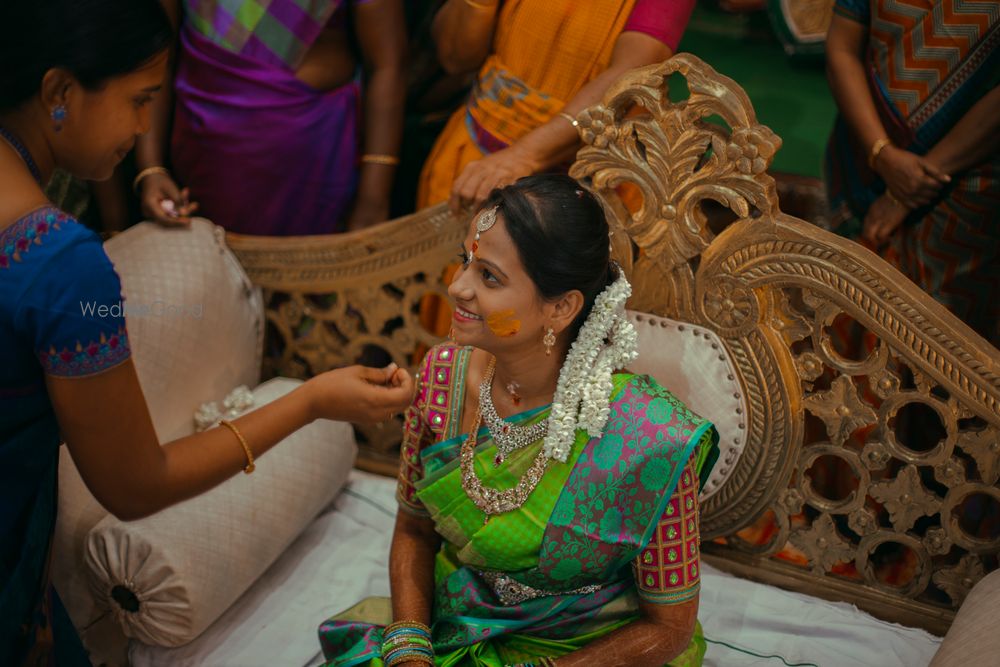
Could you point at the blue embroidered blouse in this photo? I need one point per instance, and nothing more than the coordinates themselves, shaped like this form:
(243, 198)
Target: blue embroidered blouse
(60, 315)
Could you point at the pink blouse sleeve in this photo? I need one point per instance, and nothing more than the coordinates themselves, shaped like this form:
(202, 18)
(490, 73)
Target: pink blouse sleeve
(664, 20)
(417, 434)
(666, 572)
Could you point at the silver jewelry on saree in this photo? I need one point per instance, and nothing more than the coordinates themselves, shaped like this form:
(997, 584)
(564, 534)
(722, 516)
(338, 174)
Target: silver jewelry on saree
(511, 592)
(508, 437)
(494, 501)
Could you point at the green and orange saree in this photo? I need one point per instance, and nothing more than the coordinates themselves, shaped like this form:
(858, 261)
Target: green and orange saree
(615, 523)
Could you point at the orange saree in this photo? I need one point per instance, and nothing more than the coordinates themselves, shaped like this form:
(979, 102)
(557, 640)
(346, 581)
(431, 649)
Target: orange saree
(543, 53)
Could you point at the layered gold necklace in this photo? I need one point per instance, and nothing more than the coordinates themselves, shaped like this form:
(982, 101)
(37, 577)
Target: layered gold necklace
(494, 501)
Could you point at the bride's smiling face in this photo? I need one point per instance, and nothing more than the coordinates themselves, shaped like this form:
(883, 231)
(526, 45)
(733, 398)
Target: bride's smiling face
(497, 306)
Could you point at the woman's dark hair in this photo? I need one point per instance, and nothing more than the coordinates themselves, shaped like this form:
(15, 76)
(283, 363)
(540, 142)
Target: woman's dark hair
(561, 234)
(95, 40)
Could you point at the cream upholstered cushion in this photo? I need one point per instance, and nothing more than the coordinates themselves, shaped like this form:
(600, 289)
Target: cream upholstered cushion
(196, 323)
(973, 638)
(196, 326)
(167, 577)
(693, 364)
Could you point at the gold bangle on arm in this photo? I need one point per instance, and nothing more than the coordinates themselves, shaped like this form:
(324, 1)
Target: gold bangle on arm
(378, 158)
(251, 466)
(877, 148)
(148, 171)
(409, 625)
(407, 641)
(572, 121)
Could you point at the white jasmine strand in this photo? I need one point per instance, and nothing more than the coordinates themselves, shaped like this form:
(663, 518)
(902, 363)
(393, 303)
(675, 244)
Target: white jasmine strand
(607, 340)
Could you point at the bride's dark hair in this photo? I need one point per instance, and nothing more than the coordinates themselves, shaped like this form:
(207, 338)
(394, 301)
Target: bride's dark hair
(561, 235)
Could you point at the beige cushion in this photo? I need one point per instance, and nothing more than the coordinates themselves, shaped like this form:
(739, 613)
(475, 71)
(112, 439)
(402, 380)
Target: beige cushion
(196, 327)
(973, 638)
(693, 363)
(196, 323)
(167, 577)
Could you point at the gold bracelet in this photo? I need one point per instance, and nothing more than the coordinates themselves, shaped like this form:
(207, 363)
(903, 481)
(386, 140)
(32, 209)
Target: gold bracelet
(572, 121)
(481, 5)
(148, 171)
(250, 467)
(877, 148)
(377, 158)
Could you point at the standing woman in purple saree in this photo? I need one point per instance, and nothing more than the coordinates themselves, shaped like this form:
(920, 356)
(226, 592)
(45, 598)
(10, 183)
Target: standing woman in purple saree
(271, 120)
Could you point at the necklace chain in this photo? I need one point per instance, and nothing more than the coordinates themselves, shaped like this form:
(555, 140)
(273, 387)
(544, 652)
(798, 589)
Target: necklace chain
(494, 501)
(508, 437)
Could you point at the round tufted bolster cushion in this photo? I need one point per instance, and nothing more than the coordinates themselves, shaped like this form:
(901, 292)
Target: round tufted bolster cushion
(167, 577)
(693, 363)
(196, 327)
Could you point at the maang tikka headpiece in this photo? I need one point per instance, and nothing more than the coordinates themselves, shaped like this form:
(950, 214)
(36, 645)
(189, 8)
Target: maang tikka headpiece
(487, 218)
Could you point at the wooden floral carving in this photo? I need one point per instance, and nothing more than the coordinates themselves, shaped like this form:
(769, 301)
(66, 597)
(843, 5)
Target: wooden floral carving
(906, 498)
(841, 409)
(823, 545)
(958, 581)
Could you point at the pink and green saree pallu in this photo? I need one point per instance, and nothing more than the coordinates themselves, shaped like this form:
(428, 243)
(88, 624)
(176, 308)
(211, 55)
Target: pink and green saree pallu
(263, 152)
(562, 570)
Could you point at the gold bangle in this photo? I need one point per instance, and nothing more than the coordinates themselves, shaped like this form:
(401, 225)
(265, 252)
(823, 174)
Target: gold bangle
(376, 158)
(877, 148)
(481, 5)
(148, 171)
(572, 121)
(425, 659)
(250, 467)
(416, 625)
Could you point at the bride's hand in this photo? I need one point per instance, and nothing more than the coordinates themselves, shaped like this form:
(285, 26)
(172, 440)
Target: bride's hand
(360, 394)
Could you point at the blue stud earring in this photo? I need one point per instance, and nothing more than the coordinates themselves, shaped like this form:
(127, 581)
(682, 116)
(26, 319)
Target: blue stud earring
(58, 116)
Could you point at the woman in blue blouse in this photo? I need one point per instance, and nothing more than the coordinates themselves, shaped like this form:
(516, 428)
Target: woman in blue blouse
(77, 98)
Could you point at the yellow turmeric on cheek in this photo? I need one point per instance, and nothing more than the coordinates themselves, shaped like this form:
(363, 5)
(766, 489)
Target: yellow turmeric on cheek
(503, 323)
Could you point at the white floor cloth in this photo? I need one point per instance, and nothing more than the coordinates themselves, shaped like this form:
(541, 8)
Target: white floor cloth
(343, 557)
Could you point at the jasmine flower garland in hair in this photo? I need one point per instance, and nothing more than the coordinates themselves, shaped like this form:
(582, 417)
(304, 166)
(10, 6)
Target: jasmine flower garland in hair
(607, 340)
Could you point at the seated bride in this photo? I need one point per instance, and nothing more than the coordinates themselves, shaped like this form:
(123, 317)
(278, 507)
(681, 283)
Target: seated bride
(549, 499)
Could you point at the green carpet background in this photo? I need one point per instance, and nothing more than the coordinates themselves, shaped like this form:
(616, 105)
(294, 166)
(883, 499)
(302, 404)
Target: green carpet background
(792, 97)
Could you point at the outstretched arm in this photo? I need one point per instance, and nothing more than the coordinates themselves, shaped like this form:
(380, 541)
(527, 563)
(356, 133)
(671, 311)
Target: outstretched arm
(108, 430)
(556, 141)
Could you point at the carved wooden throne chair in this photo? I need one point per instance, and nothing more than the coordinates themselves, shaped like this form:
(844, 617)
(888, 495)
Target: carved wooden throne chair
(770, 288)
(739, 309)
